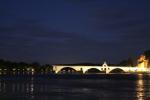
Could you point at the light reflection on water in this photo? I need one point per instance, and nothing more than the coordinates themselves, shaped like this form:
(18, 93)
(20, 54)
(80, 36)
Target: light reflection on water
(43, 88)
(140, 87)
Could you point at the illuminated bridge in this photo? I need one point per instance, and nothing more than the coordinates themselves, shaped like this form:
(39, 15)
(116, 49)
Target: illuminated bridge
(104, 69)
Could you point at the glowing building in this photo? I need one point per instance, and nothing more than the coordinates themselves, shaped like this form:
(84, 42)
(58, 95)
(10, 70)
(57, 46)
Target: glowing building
(142, 62)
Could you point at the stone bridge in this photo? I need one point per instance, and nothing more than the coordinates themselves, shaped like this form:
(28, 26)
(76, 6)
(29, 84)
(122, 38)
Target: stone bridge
(104, 68)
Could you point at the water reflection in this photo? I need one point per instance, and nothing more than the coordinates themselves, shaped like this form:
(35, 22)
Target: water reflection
(2, 86)
(16, 88)
(140, 87)
(43, 88)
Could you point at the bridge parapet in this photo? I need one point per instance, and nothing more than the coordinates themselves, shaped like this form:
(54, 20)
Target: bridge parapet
(104, 67)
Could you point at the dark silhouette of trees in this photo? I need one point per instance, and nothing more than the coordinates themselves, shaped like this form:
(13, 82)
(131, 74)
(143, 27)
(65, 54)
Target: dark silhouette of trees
(147, 55)
(128, 62)
(9, 67)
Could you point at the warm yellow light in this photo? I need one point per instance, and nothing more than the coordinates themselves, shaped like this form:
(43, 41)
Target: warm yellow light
(140, 88)
(13, 69)
(32, 70)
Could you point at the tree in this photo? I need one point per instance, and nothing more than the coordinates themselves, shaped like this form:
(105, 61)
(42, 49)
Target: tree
(147, 55)
(128, 62)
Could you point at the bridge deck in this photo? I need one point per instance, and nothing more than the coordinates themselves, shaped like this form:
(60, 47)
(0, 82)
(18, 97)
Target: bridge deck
(104, 67)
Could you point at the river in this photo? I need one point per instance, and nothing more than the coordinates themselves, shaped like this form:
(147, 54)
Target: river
(110, 87)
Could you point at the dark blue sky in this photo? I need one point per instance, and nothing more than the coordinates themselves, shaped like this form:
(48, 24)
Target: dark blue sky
(71, 31)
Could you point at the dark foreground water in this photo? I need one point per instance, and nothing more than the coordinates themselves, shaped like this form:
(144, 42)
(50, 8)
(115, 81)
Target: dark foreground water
(75, 87)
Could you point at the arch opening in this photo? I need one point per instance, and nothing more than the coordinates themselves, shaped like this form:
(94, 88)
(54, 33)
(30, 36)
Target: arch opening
(117, 70)
(94, 71)
(67, 70)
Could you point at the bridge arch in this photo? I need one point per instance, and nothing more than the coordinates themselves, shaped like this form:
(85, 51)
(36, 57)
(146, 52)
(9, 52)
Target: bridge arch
(67, 70)
(93, 70)
(117, 70)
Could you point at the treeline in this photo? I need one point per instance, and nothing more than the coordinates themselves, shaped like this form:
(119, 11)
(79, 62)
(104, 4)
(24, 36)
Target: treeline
(8, 66)
(147, 55)
(127, 62)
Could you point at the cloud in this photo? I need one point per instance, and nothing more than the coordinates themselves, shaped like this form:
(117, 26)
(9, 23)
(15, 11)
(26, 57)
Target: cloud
(128, 21)
(31, 32)
(117, 21)
(30, 37)
(106, 27)
(30, 40)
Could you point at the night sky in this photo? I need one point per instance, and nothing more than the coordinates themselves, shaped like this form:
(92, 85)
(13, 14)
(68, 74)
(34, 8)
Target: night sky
(73, 31)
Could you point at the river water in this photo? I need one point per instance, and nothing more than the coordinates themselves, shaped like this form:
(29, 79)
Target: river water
(126, 87)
